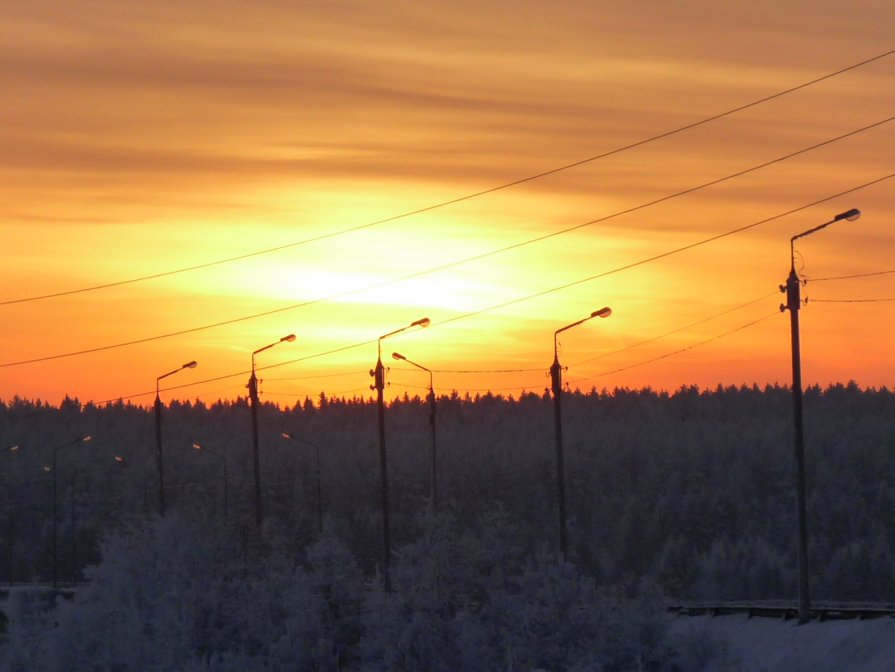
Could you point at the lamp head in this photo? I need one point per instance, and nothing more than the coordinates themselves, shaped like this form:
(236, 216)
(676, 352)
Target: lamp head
(14, 449)
(398, 355)
(86, 439)
(119, 459)
(603, 312)
(288, 339)
(425, 322)
(850, 215)
(197, 446)
(190, 365)
(287, 435)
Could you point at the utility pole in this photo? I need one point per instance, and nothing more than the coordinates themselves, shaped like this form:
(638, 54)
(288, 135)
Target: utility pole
(378, 375)
(158, 453)
(256, 460)
(433, 456)
(556, 383)
(793, 303)
(158, 433)
(379, 385)
(792, 288)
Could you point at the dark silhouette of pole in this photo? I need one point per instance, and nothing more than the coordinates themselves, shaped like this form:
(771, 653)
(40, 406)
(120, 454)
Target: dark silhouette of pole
(433, 462)
(556, 384)
(256, 460)
(80, 439)
(11, 523)
(378, 375)
(253, 395)
(293, 437)
(158, 435)
(202, 449)
(793, 304)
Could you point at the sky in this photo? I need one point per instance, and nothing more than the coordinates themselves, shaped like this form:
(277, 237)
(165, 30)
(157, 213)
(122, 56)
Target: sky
(338, 170)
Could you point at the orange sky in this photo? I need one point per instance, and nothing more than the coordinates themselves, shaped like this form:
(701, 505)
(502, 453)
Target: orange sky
(141, 138)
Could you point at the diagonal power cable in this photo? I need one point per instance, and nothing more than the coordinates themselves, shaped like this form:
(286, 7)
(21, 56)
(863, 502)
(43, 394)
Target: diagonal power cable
(466, 197)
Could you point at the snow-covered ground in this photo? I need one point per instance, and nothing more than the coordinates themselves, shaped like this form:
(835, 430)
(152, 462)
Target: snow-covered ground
(768, 644)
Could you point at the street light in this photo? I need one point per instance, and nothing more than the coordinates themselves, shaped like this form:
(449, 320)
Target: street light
(556, 380)
(253, 394)
(202, 449)
(158, 434)
(433, 475)
(378, 375)
(292, 437)
(793, 303)
(81, 439)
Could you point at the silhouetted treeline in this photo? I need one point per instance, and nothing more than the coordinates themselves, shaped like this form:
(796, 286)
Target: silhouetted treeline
(693, 489)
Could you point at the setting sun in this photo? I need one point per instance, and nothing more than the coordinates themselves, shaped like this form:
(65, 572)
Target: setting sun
(177, 188)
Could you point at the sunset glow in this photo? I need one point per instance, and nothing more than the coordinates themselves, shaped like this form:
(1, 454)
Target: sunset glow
(308, 146)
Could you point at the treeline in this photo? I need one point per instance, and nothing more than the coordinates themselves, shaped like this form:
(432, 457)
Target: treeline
(694, 490)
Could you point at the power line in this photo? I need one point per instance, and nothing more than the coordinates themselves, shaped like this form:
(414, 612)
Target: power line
(847, 300)
(466, 197)
(453, 371)
(465, 315)
(849, 277)
(325, 375)
(663, 255)
(675, 331)
(476, 389)
(677, 352)
(461, 371)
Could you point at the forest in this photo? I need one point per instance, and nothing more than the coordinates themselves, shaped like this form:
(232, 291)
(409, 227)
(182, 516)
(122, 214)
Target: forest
(676, 496)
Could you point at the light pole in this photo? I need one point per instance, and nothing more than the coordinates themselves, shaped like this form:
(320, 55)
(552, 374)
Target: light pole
(253, 394)
(433, 470)
(119, 462)
(793, 303)
(158, 434)
(292, 437)
(556, 381)
(11, 523)
(81, 439)
(202, 449)
(378, 375)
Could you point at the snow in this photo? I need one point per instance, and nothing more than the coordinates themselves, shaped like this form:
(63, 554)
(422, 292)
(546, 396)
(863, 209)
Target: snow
(768, 644)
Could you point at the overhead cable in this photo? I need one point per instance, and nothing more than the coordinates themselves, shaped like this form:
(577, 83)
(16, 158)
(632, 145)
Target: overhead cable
(466, 197)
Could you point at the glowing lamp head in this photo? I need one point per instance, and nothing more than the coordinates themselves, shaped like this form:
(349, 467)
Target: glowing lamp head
(849, 215)
(287, 435)
(197, 446)
(119, 459)
(86, 439)
(603, 312)
(398, 355)
(14, 449)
